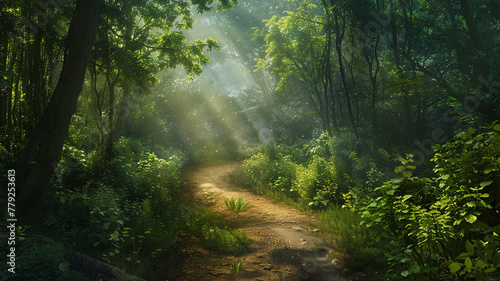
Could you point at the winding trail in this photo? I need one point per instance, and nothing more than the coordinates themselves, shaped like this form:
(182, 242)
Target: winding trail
(286, 243)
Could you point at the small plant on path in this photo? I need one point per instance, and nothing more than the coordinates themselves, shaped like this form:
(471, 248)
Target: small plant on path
(236, 205)
(236, 266)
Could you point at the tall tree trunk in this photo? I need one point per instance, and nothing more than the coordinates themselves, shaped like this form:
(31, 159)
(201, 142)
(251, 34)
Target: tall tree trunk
(340, 29)
(121, 127)
(481, 71)
(52, 129)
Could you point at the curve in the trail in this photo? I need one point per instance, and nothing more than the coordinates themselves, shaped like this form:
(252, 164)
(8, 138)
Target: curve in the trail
(286, 244)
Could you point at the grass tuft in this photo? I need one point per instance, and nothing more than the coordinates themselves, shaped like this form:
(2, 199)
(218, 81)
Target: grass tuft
(236, 205)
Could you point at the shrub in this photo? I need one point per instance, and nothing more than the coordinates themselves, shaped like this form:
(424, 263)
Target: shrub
(236, 266)
(148, 243)
(263, 174)
(37, 260)
(445, 226)
(87, 218)
(224, 240)
(236, 205)
(317, 180)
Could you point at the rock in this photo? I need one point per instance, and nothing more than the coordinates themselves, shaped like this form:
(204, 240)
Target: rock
(267, 266)
(315, 230)
(335, 261)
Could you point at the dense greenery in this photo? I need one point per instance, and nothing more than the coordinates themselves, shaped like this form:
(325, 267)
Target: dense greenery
(427, 228)
(99, 121)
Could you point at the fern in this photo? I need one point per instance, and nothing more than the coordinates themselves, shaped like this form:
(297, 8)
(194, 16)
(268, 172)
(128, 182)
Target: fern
(236, 205)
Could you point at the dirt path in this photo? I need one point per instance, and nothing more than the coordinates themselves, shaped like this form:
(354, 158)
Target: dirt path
(286, 244)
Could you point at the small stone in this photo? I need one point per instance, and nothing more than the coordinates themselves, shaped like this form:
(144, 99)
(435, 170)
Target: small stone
(335, 261)
(315, 230)
(267, 266)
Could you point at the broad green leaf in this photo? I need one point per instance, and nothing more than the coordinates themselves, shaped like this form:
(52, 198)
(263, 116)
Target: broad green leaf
(406, 174)
(481, 264)
(490, 270)
(485, 183)
(468, 263)
(470, 218)
(415, 268)
(454, 267)
(463, 256)
(469, 247)
(406, 197)
(489, 170)
(399, 169)
(390, 192)
(497, 127)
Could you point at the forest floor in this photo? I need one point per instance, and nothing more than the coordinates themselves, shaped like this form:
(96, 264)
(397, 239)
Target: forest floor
(287, 244)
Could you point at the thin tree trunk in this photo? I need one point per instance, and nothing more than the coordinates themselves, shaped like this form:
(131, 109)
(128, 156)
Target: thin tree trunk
(481, 71)
(52, 129)
(338, 45)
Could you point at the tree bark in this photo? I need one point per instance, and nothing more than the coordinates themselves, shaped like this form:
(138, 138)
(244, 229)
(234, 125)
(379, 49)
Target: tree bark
(340, 29)
(52, 128)
(481, 71)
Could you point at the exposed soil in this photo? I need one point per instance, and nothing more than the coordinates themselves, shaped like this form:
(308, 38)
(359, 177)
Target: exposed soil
(286, 243)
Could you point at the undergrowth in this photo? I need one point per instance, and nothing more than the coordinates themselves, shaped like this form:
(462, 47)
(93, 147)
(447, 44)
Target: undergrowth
(122, 207)
(213, 233)
(237, 266)
(236, 205)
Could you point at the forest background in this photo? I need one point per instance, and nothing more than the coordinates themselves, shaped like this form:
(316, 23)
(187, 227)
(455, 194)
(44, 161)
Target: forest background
(103, 104)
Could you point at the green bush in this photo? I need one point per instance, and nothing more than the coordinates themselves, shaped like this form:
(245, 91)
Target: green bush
(345, 224)
(89, 218)
(141, 247)
(236, 205)
(224, 240)
(447, 226)
(266, 175)
(41, 260)
(236, 266)
(316, 183)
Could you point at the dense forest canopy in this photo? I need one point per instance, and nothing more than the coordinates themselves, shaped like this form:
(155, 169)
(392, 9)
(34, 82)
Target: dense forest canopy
(114, 99)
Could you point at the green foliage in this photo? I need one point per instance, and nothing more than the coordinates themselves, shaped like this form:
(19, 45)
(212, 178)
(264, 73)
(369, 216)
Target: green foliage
(41, 260)
(83, 216)
(224, 240)
(148, 243)
(196, 219)
(237, 266)
(265, 174)
(212, 232)
(355, 240)
(317, 182)
(236, 205)
(447, 225)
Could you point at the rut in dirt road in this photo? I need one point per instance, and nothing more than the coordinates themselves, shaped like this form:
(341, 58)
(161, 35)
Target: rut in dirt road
(286, 243)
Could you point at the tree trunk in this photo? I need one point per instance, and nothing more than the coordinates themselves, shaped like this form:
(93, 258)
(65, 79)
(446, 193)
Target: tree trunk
(121, 127)
(481, 71)
(340, 29)
(52, 129)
